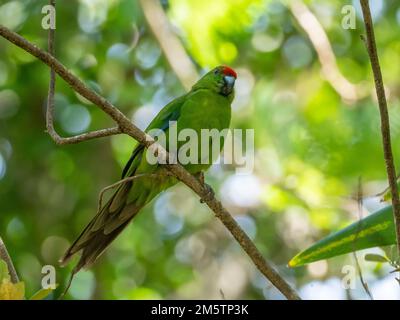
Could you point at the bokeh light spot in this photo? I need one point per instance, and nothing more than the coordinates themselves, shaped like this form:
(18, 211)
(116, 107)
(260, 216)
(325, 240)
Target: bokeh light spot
(267, 42)
(166, 217)
(2, 166)
(242, 190)
(75, 119)
(5, 148)
(3, 73)
(83, 285)
(9, 103)
(377, 9)
(297, 53)
(119, 51)
(143, 116)
(15, 229)
(12, 14)
(92, 14)
(147, 54)
(227, 51)
(248, 225)
(53, 248)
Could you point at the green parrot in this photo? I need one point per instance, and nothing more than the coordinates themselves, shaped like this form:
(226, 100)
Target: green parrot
(206, 106)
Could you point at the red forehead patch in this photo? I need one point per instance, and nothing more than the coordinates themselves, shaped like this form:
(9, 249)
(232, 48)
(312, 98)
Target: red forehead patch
(229, 72)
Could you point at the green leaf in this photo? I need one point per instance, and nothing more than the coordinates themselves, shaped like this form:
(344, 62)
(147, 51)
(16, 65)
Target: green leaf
(372, 257)
(374, 230)
(41, 294)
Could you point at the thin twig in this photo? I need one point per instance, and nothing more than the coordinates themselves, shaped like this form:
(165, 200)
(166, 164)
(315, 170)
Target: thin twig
(50, 106)
(384, 115)
(172, 48)
(359, 224)
(84, 136)
(177, 170)
(6, 257)
(386, 190)
(307, 20)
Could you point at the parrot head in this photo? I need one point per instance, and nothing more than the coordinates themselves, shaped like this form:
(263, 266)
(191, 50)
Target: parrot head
(220, 79)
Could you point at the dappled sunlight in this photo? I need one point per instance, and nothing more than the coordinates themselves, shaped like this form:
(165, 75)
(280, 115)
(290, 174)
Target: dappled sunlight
(311, 145)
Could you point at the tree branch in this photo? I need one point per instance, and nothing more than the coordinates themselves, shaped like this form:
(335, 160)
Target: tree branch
(6, 257)
(82, 137)
(50, 106)
(359, 225)
(177, 170)
(384, 115)
(307, 20)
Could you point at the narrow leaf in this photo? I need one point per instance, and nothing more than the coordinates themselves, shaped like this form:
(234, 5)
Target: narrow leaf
(374, 230)
(41, 294)
(372, 257)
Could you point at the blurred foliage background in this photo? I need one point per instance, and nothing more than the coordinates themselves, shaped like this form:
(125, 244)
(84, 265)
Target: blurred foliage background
(312, 144)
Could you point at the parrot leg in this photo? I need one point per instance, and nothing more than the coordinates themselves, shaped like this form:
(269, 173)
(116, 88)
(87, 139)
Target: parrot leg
(210, 191)
(162, 173)
(116, 184)
(200, 177)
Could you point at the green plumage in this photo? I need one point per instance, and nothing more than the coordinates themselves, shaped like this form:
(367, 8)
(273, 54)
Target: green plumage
(206, 106)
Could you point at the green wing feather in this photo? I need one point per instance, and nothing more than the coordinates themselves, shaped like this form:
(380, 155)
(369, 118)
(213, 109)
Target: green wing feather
(170, 112)
(202, 108)
(119, 210)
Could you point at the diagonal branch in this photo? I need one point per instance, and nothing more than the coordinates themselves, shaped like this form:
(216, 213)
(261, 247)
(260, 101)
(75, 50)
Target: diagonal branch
(6, 257)
(177, 170)
(384, 114)
(307, 20)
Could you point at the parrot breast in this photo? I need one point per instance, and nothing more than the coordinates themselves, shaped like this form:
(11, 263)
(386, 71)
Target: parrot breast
(205, 111)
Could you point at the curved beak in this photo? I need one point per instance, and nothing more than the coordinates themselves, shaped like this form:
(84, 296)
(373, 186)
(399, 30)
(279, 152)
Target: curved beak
(229, 82)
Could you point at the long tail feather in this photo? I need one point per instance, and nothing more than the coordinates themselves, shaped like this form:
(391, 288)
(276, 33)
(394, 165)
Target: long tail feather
(102, 230)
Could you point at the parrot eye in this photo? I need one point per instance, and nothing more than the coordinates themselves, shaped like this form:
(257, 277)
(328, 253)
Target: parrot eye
(216, 71)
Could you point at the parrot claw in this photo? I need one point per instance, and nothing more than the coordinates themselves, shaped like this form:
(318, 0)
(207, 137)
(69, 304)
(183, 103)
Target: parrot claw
(210, 194)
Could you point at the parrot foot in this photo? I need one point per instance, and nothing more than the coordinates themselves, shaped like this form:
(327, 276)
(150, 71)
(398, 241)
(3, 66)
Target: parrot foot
(210, 194)
(200, 177)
